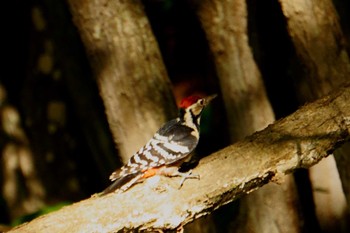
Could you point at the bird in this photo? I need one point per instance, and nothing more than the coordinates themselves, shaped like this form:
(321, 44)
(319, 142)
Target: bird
(166, 151)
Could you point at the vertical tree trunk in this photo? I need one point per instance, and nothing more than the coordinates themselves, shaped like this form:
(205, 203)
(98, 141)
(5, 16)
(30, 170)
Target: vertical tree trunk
(43, 146)
(248, 110)
(315, 31)
(128, 66)
(314, 28)
(16, 161)
(225, 25)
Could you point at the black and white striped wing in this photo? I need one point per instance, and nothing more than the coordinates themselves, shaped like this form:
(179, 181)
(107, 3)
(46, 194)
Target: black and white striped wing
(175, 141)
(171, 143)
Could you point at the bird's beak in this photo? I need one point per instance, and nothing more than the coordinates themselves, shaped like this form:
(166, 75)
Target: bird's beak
(209, 98)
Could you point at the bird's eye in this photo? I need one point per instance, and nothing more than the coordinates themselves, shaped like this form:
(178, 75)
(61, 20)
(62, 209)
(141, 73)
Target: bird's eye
(201, 101)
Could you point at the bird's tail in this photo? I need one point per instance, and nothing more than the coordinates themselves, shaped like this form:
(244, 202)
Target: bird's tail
(123, 183)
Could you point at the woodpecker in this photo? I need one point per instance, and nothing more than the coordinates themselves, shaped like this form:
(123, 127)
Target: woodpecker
(170, 146)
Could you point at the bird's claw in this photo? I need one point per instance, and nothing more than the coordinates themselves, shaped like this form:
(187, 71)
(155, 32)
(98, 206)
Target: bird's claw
(188, 175)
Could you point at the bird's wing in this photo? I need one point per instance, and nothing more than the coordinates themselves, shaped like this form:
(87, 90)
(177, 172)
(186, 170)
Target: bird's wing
(172, 143)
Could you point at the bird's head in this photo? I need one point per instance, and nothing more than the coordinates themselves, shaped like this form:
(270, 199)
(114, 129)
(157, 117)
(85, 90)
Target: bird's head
(195, 104)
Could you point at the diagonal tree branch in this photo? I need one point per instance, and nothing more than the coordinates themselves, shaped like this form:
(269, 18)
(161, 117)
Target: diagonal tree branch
(297, 141)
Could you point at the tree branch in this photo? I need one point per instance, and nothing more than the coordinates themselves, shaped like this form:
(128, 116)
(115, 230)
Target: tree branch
(298, 141)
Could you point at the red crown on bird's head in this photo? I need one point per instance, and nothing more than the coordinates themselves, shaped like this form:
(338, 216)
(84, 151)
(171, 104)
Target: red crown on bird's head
(188, 101)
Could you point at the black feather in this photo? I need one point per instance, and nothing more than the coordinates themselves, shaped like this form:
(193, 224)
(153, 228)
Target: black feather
(118, 183)
(179, 133)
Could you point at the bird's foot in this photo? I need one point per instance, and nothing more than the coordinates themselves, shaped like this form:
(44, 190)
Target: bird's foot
(174, 171)
(187, 175)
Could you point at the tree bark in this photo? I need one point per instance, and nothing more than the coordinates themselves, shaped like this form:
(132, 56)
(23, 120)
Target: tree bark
(248, 109)
(16, 161)
(320, 45)
(243, 91)
(128, 66)
(297, 141)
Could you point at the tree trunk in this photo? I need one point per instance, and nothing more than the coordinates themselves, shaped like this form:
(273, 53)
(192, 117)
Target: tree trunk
(128, 67)
(16, 161)
(46, 74)
(320, 45)
(243, 91)
(248, 109)
(315, 31)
